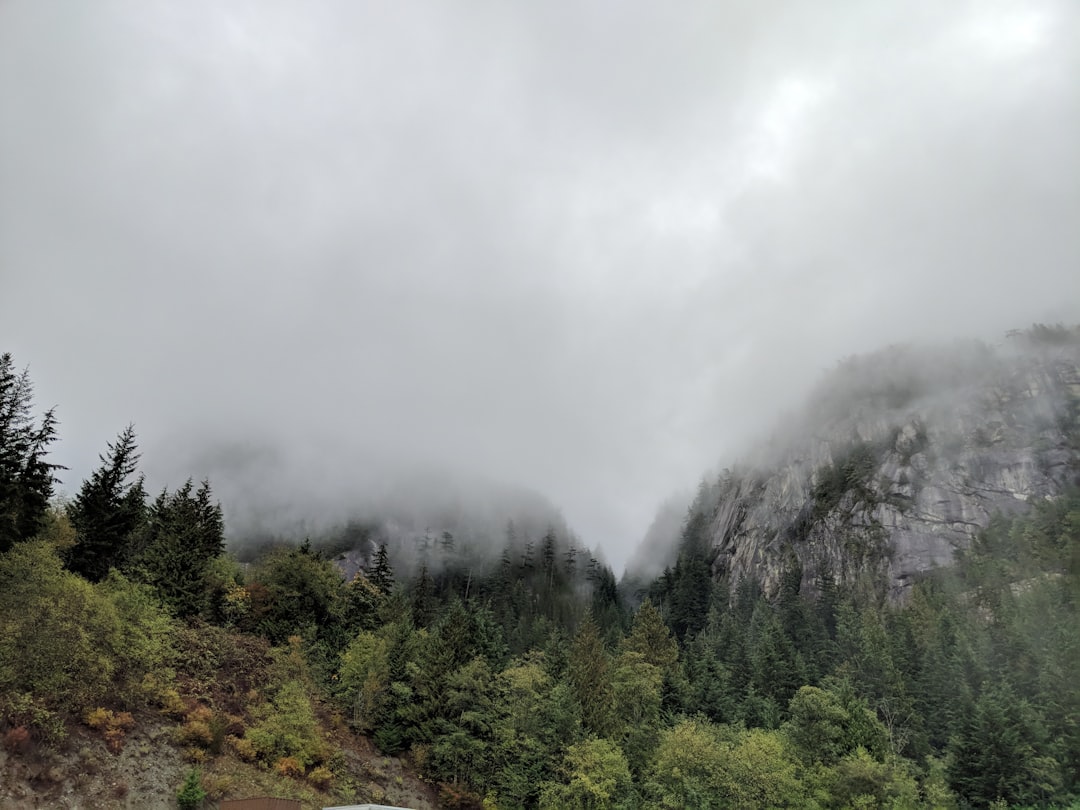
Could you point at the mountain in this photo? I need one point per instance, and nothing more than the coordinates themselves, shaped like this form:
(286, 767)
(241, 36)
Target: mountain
(897, 461)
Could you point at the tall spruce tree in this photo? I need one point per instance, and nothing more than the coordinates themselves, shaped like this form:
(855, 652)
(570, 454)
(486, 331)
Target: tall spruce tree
(108, 511)
(26, 478)
(589, 675)
(184, 532)
(381, 574)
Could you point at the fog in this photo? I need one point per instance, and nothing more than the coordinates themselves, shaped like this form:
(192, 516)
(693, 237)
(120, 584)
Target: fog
(587, 249)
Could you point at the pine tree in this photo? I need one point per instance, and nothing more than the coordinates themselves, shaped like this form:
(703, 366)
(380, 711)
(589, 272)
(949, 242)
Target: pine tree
(26, 478)
(381, 574)
(108, 511)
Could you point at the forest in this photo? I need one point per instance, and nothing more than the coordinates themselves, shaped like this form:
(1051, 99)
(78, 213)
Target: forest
(534, 678)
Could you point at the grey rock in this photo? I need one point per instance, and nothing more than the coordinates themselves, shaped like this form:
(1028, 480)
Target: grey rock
(946, 441)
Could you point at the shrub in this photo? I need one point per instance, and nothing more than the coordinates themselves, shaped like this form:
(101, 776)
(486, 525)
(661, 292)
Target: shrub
(22, 709)
(191, 795)
(112, 725)
(287, 728)
(59, 631)
(242, 747)
(17, 740)
(289, 766)
(196, 731)
(169, 701)
(321, 777)
(217, 785)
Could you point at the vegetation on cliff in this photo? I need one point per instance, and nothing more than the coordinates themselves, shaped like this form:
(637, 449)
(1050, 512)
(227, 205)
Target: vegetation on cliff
(527, 680)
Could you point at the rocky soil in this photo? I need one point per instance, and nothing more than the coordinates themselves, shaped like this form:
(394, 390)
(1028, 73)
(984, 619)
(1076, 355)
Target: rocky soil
(85, 775)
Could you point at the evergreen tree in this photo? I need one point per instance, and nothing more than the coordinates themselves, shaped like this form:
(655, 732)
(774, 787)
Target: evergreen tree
(108, 511)
(185, 531)
(996, 753)
(191, 795)
(691, 581)
(26, 478)
(422, 598)
(650, 637)
(547, 557)
(381, 574)
(589, 675)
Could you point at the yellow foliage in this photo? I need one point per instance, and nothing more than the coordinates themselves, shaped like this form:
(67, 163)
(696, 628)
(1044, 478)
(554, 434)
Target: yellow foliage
(217, 785)
(289, 766)
(171, 703)
(97, 718)
(242, 747)
(321, 777)
(113, 726)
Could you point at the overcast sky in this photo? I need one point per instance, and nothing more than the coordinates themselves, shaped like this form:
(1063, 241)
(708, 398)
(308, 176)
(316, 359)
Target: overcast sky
(585, 247)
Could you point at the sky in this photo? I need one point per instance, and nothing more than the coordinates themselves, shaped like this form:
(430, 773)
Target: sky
(591, 248)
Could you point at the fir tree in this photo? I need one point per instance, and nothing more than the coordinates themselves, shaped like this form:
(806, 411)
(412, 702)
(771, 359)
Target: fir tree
(589, 674)
(26, 478)
(184, 532)
(381, 574)
(108, 511)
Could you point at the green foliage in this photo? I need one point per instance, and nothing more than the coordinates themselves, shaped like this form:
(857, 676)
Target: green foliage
(382, 574)
(26, 477)
(637, 694)
(287, 728)
(59, 636)
(364, 677)
(299, 593)
(997, 753)
(849, 472)
(66, 645)
(146, 639)
(536, 717)
(589, 677)
(700, 765)
(650, 637)
(191, 794)
(108, 512)
(184, 533)
(594, 775)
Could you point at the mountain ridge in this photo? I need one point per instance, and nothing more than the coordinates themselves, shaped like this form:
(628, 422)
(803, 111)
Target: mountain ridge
(899, 459)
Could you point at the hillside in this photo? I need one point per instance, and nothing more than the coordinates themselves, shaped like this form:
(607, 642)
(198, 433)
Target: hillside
(456, 667)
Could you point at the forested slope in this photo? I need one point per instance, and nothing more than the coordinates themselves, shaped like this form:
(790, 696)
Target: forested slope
(133, 645)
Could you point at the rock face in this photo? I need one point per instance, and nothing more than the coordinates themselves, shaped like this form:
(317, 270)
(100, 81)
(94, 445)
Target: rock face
(900, 459)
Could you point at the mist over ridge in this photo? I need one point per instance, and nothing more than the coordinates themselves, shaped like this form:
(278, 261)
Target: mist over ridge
(898, 460)
(584, 254)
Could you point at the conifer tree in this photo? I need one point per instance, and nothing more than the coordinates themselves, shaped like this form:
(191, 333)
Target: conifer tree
(589, 674)
(422, 598)
(26, 478)
(184, 532)
(651, 637)
(381, 574)
(108, 511)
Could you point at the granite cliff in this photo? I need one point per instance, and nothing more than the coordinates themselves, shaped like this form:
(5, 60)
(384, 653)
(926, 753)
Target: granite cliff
(898, 460)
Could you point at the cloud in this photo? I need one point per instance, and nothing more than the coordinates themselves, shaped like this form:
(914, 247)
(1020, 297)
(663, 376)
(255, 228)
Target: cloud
(585, 248)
